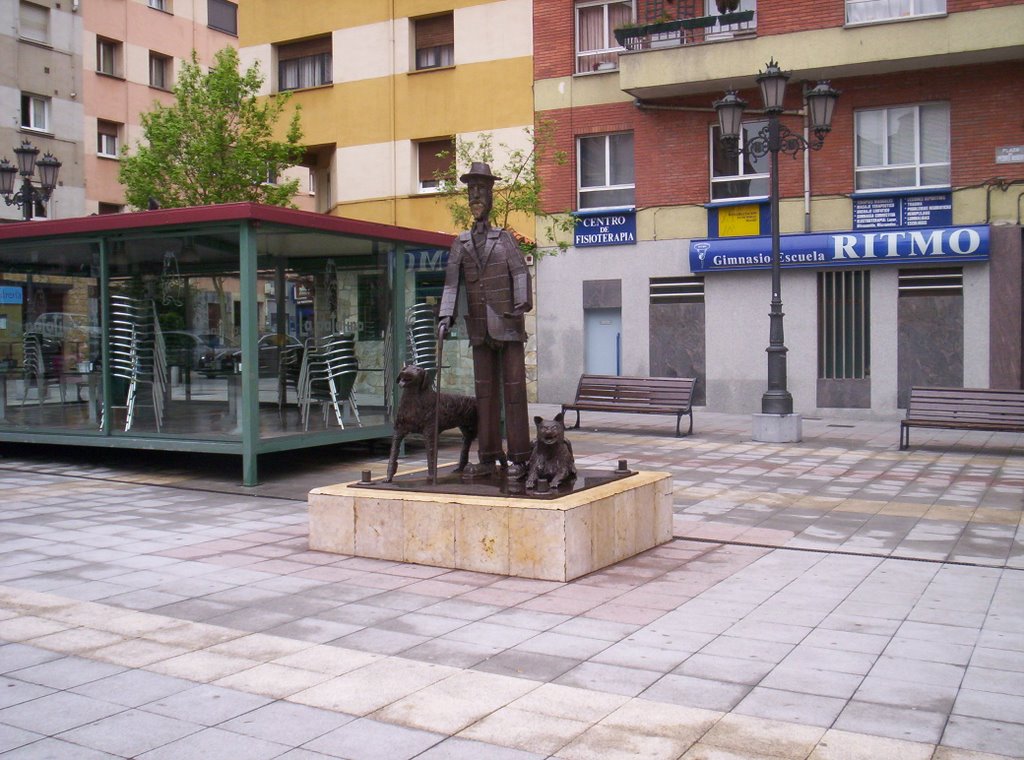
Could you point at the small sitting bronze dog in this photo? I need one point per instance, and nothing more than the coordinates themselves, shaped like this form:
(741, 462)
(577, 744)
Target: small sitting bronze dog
(416, 415)
(552, 457)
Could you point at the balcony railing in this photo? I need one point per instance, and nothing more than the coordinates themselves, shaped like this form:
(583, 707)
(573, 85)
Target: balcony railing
(664, 23)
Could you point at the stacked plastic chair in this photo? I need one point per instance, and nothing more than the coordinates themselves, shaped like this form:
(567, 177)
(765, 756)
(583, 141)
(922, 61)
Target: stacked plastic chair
(138, 355)
(328, 376)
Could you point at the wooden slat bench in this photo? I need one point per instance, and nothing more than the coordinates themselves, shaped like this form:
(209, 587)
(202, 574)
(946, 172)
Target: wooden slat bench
(641, 395)
(963, 409)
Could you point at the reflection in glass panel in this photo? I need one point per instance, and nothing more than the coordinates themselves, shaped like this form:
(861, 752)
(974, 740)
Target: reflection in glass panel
(49, 336)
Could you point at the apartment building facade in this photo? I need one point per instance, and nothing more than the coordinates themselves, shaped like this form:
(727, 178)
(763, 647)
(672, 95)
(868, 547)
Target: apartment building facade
(386, 86)
(901, 236)
(132, 51)
(41, 96)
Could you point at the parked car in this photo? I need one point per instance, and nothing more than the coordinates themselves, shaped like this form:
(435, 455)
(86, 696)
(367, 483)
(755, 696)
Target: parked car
(273, 350)
(190, 350)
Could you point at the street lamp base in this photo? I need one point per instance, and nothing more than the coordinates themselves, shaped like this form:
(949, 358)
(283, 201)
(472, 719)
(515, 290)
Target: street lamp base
(778, 428)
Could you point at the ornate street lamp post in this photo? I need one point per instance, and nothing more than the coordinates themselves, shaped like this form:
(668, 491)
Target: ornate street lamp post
(773, 139)
(27, 196)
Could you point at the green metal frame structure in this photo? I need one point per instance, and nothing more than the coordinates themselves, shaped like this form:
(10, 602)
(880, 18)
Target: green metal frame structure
(256, 244)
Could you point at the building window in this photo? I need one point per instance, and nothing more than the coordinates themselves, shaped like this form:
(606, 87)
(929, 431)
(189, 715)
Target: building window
(867, 11)
(434, 159)
(304, 64)
(106, 138)
(108, 53)
(596, 47)
(160, 5)
(844, 319)
(159, 71)
(33, 22)
(606, 170)
(435, 41)
(902, 148)
(109, 208)
(738, 176)
(222, 15)
(35, 112)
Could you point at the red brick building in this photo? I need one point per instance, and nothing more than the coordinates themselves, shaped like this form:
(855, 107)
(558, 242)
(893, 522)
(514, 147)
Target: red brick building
(901, 237)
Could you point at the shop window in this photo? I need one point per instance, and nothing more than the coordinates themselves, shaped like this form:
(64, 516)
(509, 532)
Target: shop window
(738, 176)
(435, 41)
(108, 57)
(107, 142)
(596, 22)
(605, 170)
(304, 64)
(844, 319)
(905, 147)
(33, 22)
(222, 15)
(434, 159)
(868, 11)
(159, 71)
(372, 315)
(35, 112)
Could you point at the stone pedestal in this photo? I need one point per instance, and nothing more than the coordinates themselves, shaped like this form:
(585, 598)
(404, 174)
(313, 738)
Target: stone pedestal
(778, 428)
(557, 539)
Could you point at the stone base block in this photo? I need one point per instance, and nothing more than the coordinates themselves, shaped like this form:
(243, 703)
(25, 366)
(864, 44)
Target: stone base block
(778, 428)
(558, 539)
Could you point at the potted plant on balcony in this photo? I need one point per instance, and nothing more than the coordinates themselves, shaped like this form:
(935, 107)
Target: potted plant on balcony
(730, 12)
(628, 35)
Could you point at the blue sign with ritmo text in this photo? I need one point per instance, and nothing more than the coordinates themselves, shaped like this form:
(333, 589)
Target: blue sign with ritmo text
(835, 249)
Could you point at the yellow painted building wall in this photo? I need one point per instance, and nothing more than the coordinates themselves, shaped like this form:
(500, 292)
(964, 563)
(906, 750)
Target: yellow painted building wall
(366, 123)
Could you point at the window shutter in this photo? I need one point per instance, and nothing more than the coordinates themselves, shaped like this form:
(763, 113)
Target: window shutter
(435, 31)
(316, 46)
(430, 164)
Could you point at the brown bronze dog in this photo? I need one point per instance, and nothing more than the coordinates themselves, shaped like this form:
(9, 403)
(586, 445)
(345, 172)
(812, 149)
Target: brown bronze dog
(552, 457)
(416, 415)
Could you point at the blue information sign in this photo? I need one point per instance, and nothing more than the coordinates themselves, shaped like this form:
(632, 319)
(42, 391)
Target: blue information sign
(835, 249)
(913, 211)
(10, 294)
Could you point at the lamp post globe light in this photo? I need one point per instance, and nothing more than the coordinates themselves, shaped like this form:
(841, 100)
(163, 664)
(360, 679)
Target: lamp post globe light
(772, 139)
(27, 155)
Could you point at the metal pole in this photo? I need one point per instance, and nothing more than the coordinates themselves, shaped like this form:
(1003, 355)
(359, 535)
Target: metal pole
(776, 400)
(432, 465)
(28, 199)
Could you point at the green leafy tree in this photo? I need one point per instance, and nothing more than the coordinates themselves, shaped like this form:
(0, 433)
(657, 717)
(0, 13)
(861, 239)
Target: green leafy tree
(215, 144)
(517, 195)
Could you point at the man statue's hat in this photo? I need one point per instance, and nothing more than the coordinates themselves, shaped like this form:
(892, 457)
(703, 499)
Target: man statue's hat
(479, 170)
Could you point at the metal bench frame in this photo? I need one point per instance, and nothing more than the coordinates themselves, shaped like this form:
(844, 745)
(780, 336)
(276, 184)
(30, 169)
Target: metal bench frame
(639, 395)
(990, 409)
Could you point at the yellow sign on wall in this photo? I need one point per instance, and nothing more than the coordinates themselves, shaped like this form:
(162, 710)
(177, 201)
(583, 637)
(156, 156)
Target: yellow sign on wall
(734, 221)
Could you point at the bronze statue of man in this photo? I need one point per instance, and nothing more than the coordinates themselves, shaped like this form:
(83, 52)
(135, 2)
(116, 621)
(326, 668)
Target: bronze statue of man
(488, 263)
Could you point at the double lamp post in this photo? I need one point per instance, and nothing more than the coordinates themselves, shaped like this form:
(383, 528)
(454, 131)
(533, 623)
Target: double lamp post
(772, 139)
(29, 194)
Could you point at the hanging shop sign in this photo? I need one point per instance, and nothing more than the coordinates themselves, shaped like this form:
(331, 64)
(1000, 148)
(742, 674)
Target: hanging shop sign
(935, 210)
(836, 249)
(605, 228)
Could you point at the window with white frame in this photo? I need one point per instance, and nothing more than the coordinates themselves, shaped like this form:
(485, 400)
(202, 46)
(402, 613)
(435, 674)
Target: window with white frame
(870, 11)
(711, 9)
(434, 159)
(35, 112)
(222, 15)
(738, 175)
(605, 170)
(304, 64)
(108, 54)
(903, 147)
(107, 143)
(160, 5)
(434, 41)
(159, 71)
(596, 22)
(33, 22)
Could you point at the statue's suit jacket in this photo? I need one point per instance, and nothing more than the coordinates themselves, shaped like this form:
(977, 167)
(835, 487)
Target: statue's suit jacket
(495, 283)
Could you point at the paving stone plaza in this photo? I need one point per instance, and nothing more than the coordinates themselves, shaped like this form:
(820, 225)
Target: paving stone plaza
(836, 599)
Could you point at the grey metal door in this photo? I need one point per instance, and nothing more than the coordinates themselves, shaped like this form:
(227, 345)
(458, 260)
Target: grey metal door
(603, 341)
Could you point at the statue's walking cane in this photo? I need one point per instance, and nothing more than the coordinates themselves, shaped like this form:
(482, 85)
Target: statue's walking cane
(432, 466)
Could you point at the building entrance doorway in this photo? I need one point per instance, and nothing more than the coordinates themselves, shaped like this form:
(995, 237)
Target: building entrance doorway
(603, 341)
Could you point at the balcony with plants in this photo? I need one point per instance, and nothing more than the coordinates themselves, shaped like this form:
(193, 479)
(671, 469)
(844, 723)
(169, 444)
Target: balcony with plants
(666, 23)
